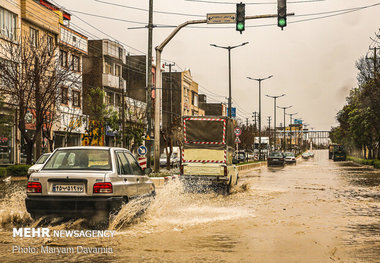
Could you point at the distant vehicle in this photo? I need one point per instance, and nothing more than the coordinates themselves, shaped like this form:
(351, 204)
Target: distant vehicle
(86, 181)
(240, 156)
(339, 153)
(264, 145)
(207, 158)
(331, 149)
(275, 158)
(311, 154)
(39, 164)
(290, 157)
(305, 155)
(174, 160)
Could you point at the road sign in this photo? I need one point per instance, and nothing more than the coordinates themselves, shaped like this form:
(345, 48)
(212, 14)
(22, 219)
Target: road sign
(221, 18)
(237, 140)
(142, 150)
(233, 112)
(237, 131)
(142, 162)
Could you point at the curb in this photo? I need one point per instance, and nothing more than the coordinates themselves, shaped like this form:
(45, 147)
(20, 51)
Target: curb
(250, 166)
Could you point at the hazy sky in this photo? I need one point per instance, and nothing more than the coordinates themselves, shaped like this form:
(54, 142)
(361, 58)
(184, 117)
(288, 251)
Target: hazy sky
(313, 62)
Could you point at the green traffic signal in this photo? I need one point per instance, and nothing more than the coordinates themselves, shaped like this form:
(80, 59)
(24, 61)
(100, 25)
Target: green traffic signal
(281, 13)
(240, 17)
(282, 22)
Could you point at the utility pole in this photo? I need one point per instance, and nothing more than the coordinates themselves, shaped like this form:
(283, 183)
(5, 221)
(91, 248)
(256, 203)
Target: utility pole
(170, 65)
(259, 80)
(275, 123)
(150, 84)
(284, 108)
(290, 126)
(254, 116)
(269, 119)
(123, 143)
(374, 62)
(229, 73)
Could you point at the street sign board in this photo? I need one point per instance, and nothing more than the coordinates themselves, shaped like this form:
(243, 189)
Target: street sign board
(221, 18)
(233, 112)
(142, 162)
(142, 150)
(237, 140)
(297, 121)
(237, 131)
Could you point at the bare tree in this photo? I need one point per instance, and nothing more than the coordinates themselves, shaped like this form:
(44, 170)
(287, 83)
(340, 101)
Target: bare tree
(32, 79)
(135, 117)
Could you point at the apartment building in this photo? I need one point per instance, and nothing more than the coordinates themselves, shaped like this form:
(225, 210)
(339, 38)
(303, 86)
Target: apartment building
(10, 23)
(179, 97)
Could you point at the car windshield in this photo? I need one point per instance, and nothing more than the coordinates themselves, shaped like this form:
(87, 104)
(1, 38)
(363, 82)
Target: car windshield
(43, 158)
(289, 154)
(275, 154)
(79, 159)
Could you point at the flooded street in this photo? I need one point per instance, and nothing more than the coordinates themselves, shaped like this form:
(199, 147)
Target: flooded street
(315, 211)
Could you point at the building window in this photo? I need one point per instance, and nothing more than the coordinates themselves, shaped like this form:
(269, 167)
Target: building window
(75, 63)
(76, 98)
(7, 24)
(109, 98)
(118, 100)
(120, 53)
(64, 95)
(63, 58)
(34, 37)
(118, 70)
(50, 44)
(108, 68)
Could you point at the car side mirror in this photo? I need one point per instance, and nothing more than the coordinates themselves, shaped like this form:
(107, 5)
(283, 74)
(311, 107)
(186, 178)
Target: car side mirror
(148, 170)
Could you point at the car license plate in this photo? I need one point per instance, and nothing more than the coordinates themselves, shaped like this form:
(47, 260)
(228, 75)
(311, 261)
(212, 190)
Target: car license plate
(275, 160)
(62, 188)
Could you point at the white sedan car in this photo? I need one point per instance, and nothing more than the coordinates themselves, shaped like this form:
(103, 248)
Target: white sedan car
(86, 181)
(39, 164)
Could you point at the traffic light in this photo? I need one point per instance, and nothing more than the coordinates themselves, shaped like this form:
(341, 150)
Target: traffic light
(240, 17)
(281, 13)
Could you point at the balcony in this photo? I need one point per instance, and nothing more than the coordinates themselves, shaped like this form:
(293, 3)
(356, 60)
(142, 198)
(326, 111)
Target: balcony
(113, 81)
(73, 39)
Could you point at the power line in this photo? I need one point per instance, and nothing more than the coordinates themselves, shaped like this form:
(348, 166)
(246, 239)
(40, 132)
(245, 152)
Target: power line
(253, 3)
(146, 10)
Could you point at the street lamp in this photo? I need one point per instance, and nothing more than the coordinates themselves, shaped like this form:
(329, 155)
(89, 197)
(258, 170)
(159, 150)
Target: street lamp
(290, 123)
(229, 72)
(284, 108)
(274, 109)
(259, 80)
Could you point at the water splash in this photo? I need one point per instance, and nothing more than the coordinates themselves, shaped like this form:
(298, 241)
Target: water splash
(175, 208)
(13, 211)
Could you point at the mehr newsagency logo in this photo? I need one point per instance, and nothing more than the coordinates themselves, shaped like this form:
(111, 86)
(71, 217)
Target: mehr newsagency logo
(47, 233)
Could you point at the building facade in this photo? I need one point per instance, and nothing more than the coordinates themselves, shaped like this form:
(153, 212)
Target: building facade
(71, 122)
(10, 24)
(212, 109)
(179, 97)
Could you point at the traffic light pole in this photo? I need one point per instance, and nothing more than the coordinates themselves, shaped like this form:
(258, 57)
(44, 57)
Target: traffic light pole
(159, 50)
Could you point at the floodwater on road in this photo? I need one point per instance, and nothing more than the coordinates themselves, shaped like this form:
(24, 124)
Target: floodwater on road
(315, 211)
